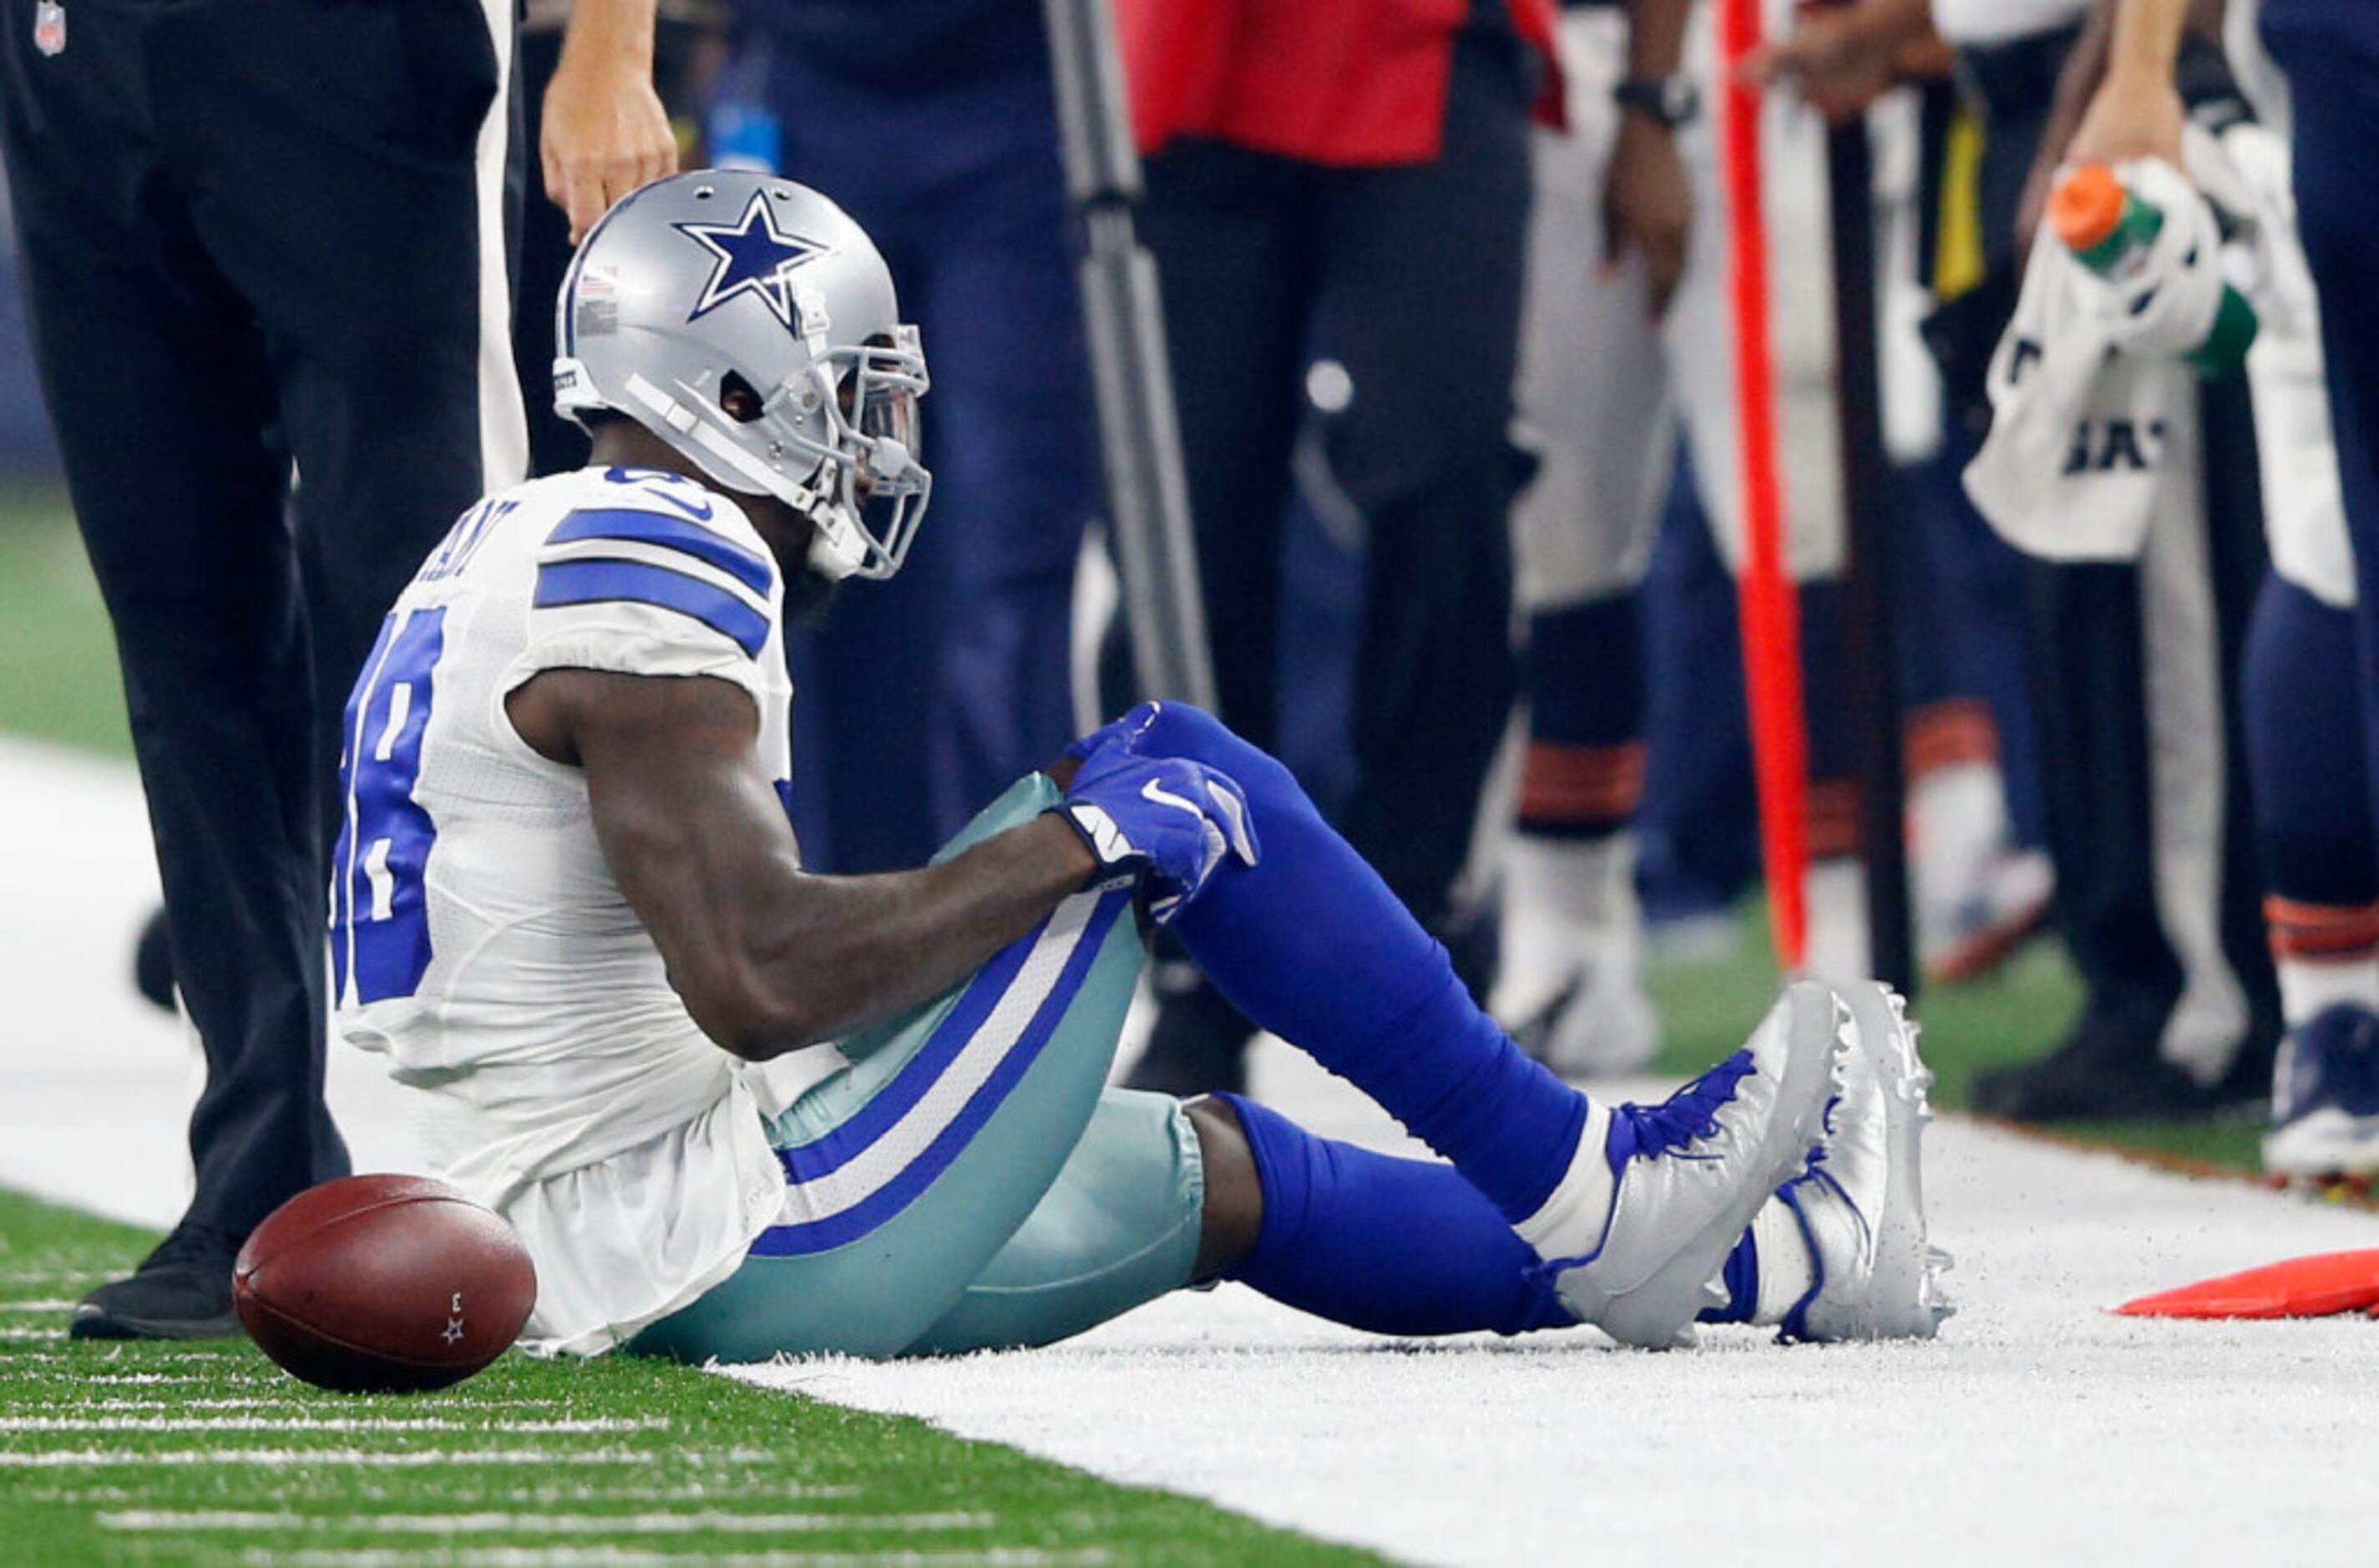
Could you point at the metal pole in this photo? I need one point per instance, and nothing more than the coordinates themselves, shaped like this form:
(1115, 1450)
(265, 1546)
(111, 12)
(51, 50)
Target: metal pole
(1870, 643)
(1148, 500)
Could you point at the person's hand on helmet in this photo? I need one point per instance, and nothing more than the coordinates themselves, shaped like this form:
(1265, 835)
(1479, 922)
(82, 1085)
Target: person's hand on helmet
(604, 132)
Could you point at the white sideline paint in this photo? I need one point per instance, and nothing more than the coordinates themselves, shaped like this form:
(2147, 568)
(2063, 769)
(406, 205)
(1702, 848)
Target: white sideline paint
(626, 1557)
(259, 1402)
(399, 1459)
(688, 1523)
(394, 1423)
(96, 1085)
(2037, 1429)
(145, 1380)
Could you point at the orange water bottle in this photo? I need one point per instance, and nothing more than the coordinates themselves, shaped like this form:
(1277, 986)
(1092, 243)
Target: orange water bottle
(2110, 228)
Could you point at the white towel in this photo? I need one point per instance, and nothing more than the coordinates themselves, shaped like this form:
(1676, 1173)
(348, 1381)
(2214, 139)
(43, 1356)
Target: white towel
(2087, 377)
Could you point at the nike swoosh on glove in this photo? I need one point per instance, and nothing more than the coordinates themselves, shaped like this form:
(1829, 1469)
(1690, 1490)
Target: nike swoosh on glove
(1168, 820)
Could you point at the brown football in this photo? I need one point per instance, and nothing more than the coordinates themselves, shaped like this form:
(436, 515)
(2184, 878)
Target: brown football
(383, 1284)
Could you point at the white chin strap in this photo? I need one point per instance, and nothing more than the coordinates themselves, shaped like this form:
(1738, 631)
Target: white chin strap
(837, 547)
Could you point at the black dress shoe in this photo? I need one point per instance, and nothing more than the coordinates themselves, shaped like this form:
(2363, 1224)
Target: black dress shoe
(180, 1290)
(2110, 1069)
(152, 962)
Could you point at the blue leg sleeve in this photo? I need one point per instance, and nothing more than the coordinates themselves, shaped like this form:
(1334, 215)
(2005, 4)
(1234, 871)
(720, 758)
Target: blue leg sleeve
(1310, 944)
(1399, 1246)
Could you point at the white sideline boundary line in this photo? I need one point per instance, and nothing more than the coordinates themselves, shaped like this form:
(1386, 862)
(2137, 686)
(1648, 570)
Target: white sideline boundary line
(393, 1459)
(2036, 1431)
(622, 1556)
(487, 1523)
(393, 1425)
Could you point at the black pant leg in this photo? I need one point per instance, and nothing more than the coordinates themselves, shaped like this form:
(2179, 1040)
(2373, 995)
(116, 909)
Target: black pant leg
(1232, 234)
(157, 385)
(1421, 299)
(344, 189)
(2092, 712)
(541, 255)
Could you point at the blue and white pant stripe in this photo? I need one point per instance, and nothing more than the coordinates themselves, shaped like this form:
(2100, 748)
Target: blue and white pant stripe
(856, 1176)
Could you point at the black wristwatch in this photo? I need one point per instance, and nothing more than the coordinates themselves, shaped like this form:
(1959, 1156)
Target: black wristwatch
(1666, 101)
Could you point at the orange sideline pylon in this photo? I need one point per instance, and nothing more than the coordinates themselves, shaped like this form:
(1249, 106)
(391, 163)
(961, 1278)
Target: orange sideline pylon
(2318, 1287)
(1771, 628)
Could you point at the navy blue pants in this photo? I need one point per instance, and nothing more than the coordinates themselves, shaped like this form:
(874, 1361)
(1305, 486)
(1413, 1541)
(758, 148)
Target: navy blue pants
(2330, 49)
(926, 696)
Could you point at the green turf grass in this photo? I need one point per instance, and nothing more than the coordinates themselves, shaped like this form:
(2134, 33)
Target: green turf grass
(205, 1452)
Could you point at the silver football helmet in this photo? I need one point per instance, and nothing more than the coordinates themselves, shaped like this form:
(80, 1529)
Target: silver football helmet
(703, 281)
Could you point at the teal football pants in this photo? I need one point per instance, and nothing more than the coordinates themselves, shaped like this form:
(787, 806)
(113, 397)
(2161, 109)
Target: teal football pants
(970, 1182)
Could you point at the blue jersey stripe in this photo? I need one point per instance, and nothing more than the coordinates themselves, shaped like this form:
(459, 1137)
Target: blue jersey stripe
(898, 1097)
(637, 581)
(838, 1230)
(747, 567)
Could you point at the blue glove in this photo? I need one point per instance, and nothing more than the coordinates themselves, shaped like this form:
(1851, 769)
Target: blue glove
(1167, 821)
(1124, 732)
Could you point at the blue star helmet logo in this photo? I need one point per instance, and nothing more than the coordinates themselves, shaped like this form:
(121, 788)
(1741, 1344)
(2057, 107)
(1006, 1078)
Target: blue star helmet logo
(754, 257)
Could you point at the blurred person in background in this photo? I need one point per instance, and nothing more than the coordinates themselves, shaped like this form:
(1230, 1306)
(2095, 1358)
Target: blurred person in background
(2314, 667)
(253, 232)
(1354, 174)
(934, 124)
(2135, 663)
(1609, 236)
(1630, 341)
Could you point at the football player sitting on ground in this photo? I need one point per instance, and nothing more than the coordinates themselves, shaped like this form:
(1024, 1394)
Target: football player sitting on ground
(734, 1109)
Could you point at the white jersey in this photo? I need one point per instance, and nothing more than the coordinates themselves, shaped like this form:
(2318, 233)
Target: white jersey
(478, 937)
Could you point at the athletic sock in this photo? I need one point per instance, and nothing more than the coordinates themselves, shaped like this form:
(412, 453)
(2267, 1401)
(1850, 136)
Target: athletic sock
(1396, 1247)
(1569, 907)
(2325, 955)
(1836, 898)
(1768, 1272)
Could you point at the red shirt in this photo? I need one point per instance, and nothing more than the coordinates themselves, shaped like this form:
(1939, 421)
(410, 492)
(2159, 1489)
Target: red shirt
(1346, 83)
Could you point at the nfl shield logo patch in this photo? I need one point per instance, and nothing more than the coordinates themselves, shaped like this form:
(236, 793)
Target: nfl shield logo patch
(49, 27)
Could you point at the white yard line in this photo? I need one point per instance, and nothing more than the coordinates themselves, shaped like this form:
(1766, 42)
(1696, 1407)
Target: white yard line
(2036, 1431)
(121, 1380)
(272, 1401)
(629, 1557)
(406, 1459)
(690, 1523)
(122, 1423)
